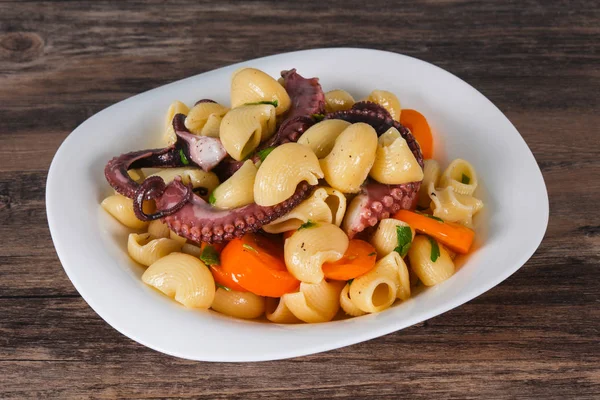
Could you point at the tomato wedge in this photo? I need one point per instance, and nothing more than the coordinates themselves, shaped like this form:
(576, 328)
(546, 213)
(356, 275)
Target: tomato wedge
(418, 125)
(256, 263)
(360, 258)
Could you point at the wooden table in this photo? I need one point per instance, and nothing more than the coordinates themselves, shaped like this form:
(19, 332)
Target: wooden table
(536, 335)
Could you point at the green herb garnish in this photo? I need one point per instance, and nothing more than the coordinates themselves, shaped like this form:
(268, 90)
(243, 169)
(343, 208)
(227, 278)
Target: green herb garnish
(404, 237)
(372, 254)
(318, 117)
(274, 103)
(307, 224)
(264, 153)
(431, 216)
(183, 158)
(212, 199)
(435, 249)
(248, 247)
(210, 256)
(465, 179)
(222, 287)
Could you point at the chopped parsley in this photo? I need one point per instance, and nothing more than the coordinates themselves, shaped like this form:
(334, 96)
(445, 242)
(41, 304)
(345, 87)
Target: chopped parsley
(210, 256)
(465, 179)
(248, 247)
(274, 103)
(435, 249)
(184, 159)
(307, 224)
(222, 287)
(318, 117)
(404, 237)
(264, 153)
(212, 199)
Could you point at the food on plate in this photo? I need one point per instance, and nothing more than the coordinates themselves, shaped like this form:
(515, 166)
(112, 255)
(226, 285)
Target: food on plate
(293, 204)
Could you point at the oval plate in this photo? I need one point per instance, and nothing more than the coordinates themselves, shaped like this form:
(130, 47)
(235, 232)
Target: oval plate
(92, 246)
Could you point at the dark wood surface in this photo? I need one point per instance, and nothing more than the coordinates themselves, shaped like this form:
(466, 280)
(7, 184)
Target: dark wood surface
(536, 335)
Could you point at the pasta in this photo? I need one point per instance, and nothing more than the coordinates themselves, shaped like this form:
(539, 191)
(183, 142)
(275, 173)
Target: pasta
(431, 175)
(158, 229)
(244, 127)
(177, 107)
(324, 205)
(338, 100)
(121, 208)
(374, 291)
(251, 85)
(146, 250)
(238, 190)
(184, 278)
(452, 206)
(385, 238)
(387, 100)
(394, 266)
(176, 237)
(394, 162)
(243, 305)
(349, 162)
(461, 176)
(280, 173)
(307, 249)
(277, 312)
(191, 249)
(422, 262)
(347, 305)
(315, 302)
(321, 136)
(194, 176)
(199, 116)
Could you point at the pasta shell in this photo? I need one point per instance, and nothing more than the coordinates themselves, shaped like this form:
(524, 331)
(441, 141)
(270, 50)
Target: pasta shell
(280, 173)
(184, 278)
(238, 190)
(347, 305)
(176, 237)
(251, 85)
(387, 100)
(314, 303)
(158, 229)
(349, 162)
(429, 272)
(338, 100)
(394, 162)
(278, 312)
(243, 128)
(374, 291)
(236, 304)
(431, 174)
(194, 176)
(197, 118)
(146, 250)
(454, 207)
(324, 205)
(191, 249)
(121, 208)
(321, 137)
(393, 266)
(455, 173)
(307, 249)
(177, 107)
(385, 238)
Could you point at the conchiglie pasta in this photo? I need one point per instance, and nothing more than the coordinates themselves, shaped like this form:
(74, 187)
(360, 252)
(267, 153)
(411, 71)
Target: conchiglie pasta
(324, 205)
(315, 302)
(176, 237)
(307, 249)
(191, 249)
(394, 266)
(461, 176)
(277, 312)
(243, 128)
(281, 172)
(184, 278)
(385, 238)
(158, 229)
(431, 175)
(199, 116)
(250, 85)
(146, 250)
(121, 208)
(338, 100)
(374, 291)
(236, 304)
(194, 176)
(321, 136)
(238, 190)
(387, 100)
(353, 154)
(177, 107)
(429, 272)
(454, 207)
(347, 305)
(394, 162)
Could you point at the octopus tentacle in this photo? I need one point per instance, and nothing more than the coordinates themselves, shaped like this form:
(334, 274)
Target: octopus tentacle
(199, 221)
(377, 201)
(152, 188)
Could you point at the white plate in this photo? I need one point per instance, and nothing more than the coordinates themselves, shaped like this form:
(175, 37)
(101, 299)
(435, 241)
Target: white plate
(92, 246)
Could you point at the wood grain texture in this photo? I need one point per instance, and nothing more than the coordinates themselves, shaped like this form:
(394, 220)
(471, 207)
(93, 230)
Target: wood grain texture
(537, 335)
